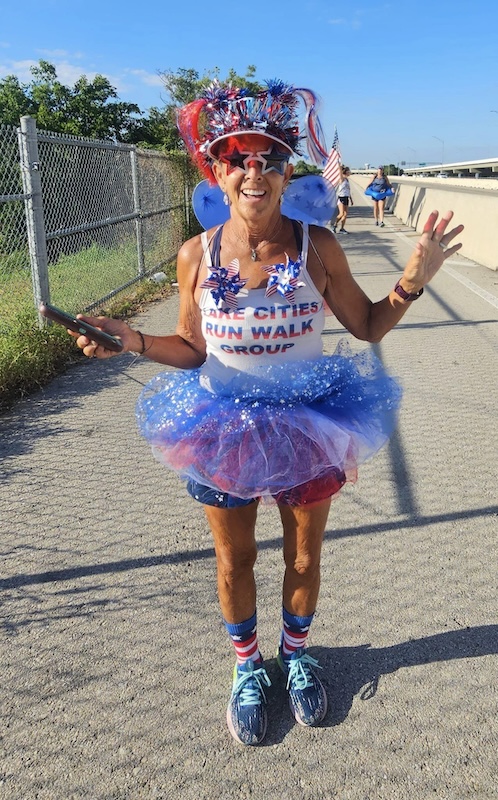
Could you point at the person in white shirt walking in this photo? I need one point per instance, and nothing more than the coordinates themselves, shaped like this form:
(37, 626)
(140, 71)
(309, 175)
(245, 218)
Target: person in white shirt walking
(344, 200)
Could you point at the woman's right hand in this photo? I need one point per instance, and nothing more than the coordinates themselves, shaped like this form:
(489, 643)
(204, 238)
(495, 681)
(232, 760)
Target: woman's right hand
(130, 339)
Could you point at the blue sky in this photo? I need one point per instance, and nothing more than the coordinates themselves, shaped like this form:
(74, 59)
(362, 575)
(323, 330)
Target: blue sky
(403, 81)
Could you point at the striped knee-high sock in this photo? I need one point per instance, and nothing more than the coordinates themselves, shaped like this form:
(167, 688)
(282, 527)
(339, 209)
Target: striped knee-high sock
(294, 633)
(245, 639)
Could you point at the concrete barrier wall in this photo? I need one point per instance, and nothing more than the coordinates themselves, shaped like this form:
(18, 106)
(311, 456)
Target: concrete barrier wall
(474, 205)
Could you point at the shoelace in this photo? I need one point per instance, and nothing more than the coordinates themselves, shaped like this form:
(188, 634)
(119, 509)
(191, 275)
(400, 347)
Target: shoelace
(300, 673)
(249, 686)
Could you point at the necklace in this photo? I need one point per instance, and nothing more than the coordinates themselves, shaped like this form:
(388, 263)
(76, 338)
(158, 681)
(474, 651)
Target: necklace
(254, 250)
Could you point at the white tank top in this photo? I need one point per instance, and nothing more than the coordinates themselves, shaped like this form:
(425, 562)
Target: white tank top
(261, 330)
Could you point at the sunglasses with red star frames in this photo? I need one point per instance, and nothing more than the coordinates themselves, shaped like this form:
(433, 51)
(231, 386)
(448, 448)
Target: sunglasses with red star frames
(271, 159)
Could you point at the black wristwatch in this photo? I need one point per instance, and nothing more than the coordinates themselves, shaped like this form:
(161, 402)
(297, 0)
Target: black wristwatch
(406, 295)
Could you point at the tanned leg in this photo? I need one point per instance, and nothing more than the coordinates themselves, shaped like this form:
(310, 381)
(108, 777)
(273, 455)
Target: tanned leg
(341, 218)
(235, 545)
(381, 210)
(304, 527)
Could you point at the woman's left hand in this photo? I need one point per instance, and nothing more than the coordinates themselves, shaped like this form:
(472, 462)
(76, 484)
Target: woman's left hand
(431, 251)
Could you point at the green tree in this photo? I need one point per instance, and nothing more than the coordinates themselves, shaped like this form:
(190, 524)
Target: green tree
(304, 168)
(14, 100)
(89, 108)
(182, 87)
(156, 130)
(185, 85)
(95, 110)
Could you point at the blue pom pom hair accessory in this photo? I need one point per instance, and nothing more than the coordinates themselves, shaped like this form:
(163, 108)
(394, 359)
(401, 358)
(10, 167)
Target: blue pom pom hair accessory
(274, 111)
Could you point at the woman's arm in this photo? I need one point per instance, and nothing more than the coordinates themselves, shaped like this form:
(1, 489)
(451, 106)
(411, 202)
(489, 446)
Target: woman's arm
(186, 348)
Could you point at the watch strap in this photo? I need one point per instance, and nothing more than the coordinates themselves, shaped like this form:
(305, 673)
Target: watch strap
(406, 295)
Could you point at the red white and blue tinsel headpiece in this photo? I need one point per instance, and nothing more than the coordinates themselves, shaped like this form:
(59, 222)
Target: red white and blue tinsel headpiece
(226, 110)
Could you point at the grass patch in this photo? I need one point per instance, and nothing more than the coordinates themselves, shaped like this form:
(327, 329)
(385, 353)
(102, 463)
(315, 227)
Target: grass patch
(31, 357)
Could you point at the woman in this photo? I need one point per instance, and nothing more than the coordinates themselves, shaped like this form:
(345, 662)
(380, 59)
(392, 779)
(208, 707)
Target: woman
(344, 200)
(379, 183)
(255, 411)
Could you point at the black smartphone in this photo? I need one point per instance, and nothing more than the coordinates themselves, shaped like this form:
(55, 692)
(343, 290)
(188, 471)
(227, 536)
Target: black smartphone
(79, 326)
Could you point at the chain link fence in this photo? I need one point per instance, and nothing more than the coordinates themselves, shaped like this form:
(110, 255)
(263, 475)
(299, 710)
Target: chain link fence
(82, 220)
(15, 275)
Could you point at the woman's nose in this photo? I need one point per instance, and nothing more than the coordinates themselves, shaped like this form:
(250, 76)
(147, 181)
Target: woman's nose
(254, 165)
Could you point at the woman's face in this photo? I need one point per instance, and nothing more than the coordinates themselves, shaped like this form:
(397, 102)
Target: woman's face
(253, 171)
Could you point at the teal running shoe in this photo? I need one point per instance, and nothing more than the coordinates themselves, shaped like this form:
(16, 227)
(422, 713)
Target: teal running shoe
(247, 718)
(307, 696)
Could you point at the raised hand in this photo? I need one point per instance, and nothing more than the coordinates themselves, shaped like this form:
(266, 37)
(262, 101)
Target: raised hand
(431, 251)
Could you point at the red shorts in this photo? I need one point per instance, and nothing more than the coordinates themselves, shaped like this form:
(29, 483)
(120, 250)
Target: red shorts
(314, 491)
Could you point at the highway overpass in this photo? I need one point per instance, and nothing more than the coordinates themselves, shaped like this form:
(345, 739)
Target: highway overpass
(480, 168)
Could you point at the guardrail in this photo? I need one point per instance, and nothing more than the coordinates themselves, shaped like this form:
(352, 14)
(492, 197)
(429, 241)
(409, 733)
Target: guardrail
(474, 205)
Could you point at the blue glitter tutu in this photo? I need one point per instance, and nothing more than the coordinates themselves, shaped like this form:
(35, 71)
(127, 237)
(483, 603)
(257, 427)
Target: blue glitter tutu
(263, 434)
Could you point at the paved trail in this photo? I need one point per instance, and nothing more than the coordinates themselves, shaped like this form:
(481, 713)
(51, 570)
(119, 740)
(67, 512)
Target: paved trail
(115, 668)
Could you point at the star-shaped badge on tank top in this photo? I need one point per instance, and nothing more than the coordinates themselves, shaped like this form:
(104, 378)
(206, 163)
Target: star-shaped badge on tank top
(225, 283)
(284, 278)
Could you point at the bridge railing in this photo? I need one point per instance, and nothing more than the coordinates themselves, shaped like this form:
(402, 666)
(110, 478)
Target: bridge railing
(474, 203)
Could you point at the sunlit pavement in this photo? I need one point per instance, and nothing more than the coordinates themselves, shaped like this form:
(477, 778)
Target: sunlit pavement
(115, 667)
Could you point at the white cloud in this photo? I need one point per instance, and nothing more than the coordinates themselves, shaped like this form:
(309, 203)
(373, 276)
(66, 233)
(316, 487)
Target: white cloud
(149, 78)
(19, 68)
(132, 85)
(67, 72)
(54, 53)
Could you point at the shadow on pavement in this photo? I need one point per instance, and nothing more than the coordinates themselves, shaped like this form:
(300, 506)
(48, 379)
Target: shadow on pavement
(351, 671)
(148, 562)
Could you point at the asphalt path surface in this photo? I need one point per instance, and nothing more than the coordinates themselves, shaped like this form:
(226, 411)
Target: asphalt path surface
(115, 667)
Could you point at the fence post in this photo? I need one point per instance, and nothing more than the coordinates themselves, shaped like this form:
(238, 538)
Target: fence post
(137, 210)
(186, 198)
(33, 203)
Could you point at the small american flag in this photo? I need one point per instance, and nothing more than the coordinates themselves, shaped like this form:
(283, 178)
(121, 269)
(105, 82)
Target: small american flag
(331, 170)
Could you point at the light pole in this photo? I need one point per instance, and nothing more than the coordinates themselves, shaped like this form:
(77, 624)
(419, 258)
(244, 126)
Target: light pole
(414, 154)
(442, 151)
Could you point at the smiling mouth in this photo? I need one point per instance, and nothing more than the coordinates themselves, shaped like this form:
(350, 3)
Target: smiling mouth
(253, 192)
